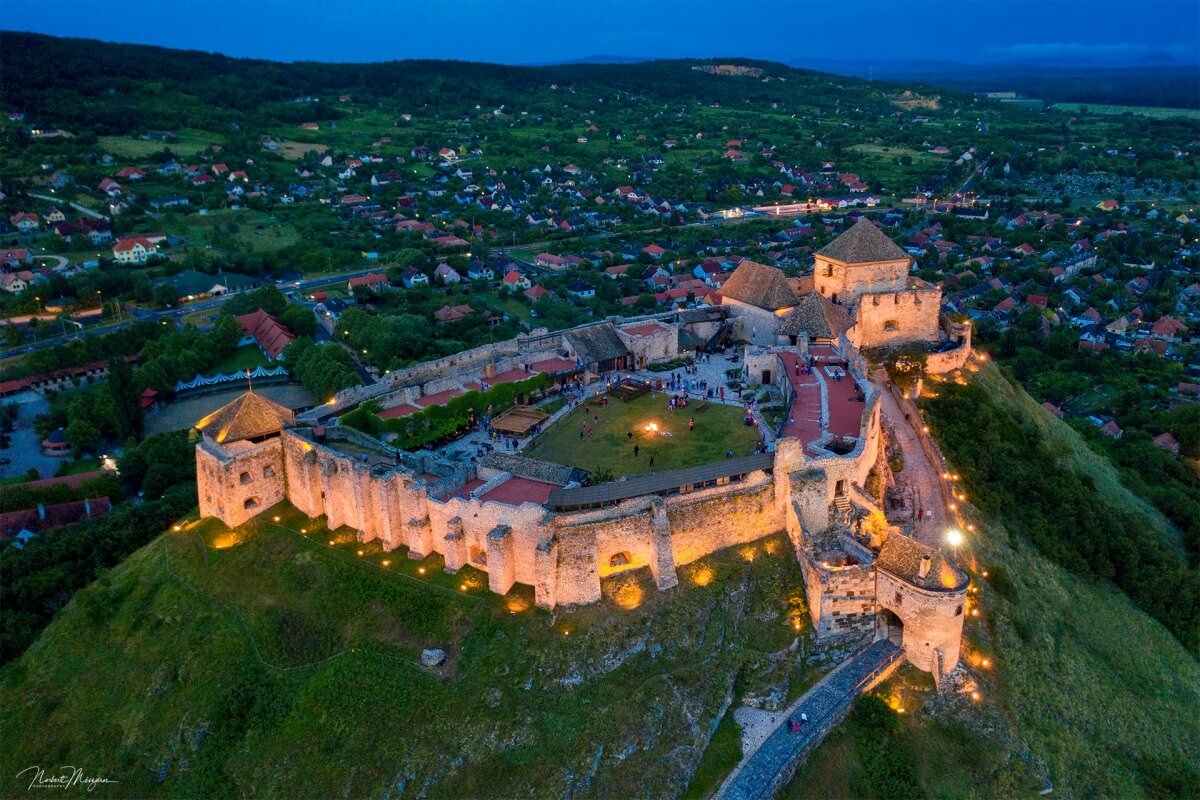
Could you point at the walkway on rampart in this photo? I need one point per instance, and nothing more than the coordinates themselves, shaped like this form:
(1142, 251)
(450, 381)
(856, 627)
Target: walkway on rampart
(920, 474)
(764, 771)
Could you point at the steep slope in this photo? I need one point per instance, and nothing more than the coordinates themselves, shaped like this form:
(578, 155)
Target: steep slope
(264, 662)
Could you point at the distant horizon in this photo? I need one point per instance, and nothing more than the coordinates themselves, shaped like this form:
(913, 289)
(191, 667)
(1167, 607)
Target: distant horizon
(862, 66)
(1079, 33)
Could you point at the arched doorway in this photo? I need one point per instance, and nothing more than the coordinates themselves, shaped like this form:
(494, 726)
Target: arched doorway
(890, 627)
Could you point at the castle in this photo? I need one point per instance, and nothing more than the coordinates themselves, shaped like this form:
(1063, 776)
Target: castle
(526, 521)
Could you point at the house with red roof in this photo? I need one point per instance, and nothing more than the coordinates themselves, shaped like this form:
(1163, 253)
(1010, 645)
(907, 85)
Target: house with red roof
(1167, 442)
(1004, 306)
(372, 281)
(1168, 329)
(266, 331)
(1039, 300)
(536, 293)
(447, 314)
(15, 256)
(514, 281)
(654, 251)
(134, 250)
(131, 173)
(25, 221)
(550, 261)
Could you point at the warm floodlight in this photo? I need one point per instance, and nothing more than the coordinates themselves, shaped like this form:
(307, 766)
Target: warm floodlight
(954, 537)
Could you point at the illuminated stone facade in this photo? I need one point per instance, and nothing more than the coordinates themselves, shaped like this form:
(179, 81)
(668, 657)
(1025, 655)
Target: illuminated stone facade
(427, 504)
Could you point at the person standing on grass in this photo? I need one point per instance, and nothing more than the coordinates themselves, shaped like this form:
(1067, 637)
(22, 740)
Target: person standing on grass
(691, 424)
(635, 451)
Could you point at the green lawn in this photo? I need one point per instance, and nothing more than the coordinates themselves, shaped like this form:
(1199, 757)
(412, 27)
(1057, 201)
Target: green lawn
(718, 429)
(247, 357)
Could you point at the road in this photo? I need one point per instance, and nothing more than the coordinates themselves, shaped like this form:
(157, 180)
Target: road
(172, 315)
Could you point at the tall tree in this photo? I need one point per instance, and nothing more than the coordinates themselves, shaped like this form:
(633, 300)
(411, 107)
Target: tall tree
(127, 402)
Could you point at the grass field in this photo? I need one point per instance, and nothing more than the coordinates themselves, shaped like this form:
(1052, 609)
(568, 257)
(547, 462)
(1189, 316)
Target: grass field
(718, 429)
(255, 231)
(1154, 112)
(266, 661)
(243, 358)
(294, 151)
(188, 143)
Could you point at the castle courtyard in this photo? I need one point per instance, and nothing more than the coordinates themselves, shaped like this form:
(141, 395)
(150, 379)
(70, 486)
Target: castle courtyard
(669, 443)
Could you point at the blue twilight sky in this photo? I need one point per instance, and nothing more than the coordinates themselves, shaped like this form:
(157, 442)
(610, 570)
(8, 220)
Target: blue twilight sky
(540, 31)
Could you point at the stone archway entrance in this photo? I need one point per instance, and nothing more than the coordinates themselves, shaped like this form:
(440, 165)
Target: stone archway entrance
(890, 627)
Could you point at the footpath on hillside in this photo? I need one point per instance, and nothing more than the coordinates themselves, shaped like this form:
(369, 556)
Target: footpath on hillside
(764, 770)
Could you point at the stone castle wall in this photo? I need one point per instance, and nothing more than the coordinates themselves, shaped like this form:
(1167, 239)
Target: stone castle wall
(897, 317)
(950, 360)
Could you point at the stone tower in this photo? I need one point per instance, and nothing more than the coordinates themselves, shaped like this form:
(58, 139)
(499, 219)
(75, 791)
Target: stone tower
(239, 458)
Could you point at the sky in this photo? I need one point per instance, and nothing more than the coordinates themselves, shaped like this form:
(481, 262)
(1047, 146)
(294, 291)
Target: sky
(547, 31)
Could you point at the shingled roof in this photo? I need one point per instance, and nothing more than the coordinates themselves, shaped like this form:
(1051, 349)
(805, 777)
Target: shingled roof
(271, 334)
(901, 556)
(596, 343)
(863, 243)
(249, 416)
(817, 316)
(759, 285)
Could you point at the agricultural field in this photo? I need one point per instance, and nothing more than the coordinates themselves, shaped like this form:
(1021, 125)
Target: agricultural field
(188, 142)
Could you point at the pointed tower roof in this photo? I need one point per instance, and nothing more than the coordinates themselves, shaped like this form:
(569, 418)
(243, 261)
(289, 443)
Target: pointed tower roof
(863, 243)
(248, 416)
(759, 285)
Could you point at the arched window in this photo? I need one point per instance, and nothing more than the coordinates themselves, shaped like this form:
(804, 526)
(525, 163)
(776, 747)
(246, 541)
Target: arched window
(621, 559)
(891, 325)
(479, 556)
(268, 472)
(245, 478)
(251, 502)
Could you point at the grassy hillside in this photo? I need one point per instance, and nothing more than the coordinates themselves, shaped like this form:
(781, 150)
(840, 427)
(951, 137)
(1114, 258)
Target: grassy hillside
(267, 662)
(1082, 688)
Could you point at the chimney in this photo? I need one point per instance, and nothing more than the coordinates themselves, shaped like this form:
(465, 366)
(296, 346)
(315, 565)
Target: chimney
(489, 370)
(926, 563)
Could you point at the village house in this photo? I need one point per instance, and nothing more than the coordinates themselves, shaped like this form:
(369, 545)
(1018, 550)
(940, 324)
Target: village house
(134, 250)
(372, 281)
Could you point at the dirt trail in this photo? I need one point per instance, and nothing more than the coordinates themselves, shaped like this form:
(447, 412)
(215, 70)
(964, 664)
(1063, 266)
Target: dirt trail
(923, 477)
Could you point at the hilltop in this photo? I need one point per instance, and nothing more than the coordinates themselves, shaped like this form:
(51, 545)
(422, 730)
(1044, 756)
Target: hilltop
(266, 661)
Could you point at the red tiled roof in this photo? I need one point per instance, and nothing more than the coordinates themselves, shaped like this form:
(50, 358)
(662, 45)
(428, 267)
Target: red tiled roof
(438, 398)
(271, 334)
(515, 491)
(370, 279)
(553, 365)
(51, 516)
(395, 412)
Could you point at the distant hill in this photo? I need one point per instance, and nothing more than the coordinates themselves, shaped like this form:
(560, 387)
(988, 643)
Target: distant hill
(106, 87)
(1158, 84)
